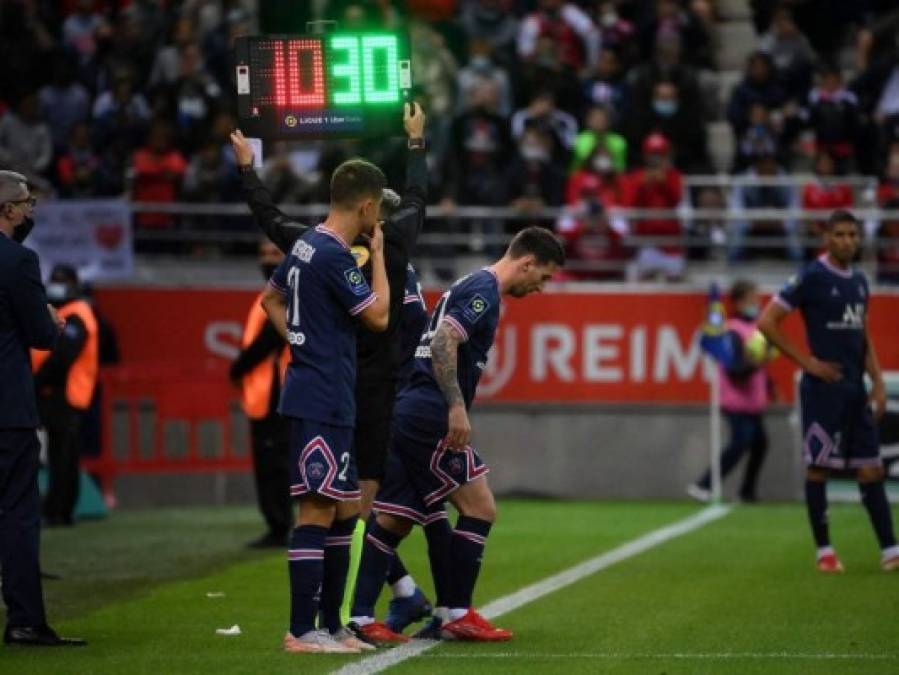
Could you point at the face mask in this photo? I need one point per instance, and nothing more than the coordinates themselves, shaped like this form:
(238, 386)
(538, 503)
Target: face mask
(602, 164)
(609, 19)
(267, 269)
(534, 153)
(57, 292)
(750, 311)
(480, 62)
(665, 107)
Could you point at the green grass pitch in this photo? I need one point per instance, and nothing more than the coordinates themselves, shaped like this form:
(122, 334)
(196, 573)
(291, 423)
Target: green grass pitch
(739, 595)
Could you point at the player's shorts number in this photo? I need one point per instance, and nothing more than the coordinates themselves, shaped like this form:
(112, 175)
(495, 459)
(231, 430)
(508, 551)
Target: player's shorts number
(344, 465)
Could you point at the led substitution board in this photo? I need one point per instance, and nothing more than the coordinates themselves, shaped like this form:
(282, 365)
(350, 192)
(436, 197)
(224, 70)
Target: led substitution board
(328, 85)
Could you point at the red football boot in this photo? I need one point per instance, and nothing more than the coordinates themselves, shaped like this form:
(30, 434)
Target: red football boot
(474, 628)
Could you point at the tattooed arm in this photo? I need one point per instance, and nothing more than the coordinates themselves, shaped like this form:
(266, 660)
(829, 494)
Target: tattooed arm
(444, 357)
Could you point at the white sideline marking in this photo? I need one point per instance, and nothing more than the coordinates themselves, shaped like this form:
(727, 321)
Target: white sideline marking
(387, 659)
(686, 656)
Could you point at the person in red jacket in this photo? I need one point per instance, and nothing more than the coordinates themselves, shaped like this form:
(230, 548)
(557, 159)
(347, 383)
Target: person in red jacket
(825, 195)
(597, 179)
(158, 170)
(658, 185)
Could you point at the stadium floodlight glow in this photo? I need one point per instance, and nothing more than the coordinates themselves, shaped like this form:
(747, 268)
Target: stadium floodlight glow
(339, 84)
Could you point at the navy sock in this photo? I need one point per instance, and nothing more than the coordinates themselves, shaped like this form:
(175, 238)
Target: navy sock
(377, 553)
(440, 536)
(874, 497)
(306, 557)
(816, 502)
(337, 563)
(466, 551)
(397, 569)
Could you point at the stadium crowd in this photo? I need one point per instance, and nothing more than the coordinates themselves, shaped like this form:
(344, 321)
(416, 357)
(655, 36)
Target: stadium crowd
(534, 103)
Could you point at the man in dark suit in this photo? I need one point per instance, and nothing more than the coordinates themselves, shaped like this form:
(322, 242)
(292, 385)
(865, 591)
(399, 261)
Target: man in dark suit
(25, 321)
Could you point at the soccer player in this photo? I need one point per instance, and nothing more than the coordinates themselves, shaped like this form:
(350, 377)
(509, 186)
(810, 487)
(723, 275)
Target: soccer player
(377, 352)
(431, 459)
(837, 420)
(312, 299)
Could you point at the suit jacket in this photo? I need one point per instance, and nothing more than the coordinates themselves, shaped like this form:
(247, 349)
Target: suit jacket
(25, 322)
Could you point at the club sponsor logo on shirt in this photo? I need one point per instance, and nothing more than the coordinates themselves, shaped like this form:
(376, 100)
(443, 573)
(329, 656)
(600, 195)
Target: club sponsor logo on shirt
(361, 255)
(303, 251)
(356, 281)
(476, 308)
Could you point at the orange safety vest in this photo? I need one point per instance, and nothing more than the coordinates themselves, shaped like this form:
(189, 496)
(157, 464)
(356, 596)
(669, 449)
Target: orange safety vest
(257, 384)
(82, 378)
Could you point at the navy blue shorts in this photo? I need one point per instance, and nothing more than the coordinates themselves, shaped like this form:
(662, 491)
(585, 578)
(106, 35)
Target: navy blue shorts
(322, 461)
(838, 428)
(421, 474)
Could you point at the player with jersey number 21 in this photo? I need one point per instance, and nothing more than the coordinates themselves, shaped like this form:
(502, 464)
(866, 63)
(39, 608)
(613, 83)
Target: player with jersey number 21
(313, 299)
(838, 416)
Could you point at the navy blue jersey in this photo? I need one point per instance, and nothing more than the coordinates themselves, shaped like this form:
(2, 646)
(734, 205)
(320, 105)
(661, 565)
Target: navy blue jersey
(413, 321)
(833, 303)
(325, 290)
(471, 306)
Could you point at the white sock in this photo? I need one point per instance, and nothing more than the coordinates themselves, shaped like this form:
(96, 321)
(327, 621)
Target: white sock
(442, 613)
(362, 620)
(457, 613)
(404, 588)
(825, 550)
(890, 552)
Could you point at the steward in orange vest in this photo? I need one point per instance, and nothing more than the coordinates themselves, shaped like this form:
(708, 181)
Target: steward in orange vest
(65, 379)
(259, 372)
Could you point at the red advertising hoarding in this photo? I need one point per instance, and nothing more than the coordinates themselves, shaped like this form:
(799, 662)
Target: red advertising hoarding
(558, 347)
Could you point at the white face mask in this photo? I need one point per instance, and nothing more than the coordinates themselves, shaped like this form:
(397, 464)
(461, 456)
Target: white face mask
(602, 164)
(534, 153)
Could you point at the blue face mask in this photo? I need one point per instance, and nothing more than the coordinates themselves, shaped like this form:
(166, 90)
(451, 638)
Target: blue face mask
(664, 107)
(750, 311)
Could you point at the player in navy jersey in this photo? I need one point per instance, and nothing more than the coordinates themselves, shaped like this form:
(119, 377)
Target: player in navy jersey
(378, 353)
(413, 319)
(838, 416)
(313, 299)
(430, 457)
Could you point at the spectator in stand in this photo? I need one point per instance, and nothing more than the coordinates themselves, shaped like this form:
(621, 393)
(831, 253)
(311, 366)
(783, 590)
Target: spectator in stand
(598, 179)
(25, 144)
(759, 86)
(288, 182)
(26, 46)
(570, 31)
(790, 52)
(543, 114)
(167, 65)
(557, 44)
(658, 185)
(835, 117)
(598, 133)
(536, 179)
(121, 114)
(65, 103)
(209, 178)
(77, 168)
(616, 32)
(594, 250)
(192, 97)
(490, 20)
(434, 69)
(671, 116)
(481, 68)
(158, 169)
(672, 20)
(83, 30)
(606, 85)
(764, 196)
(825, 195)
(666, 66)
(887, 239)
(775, 134)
